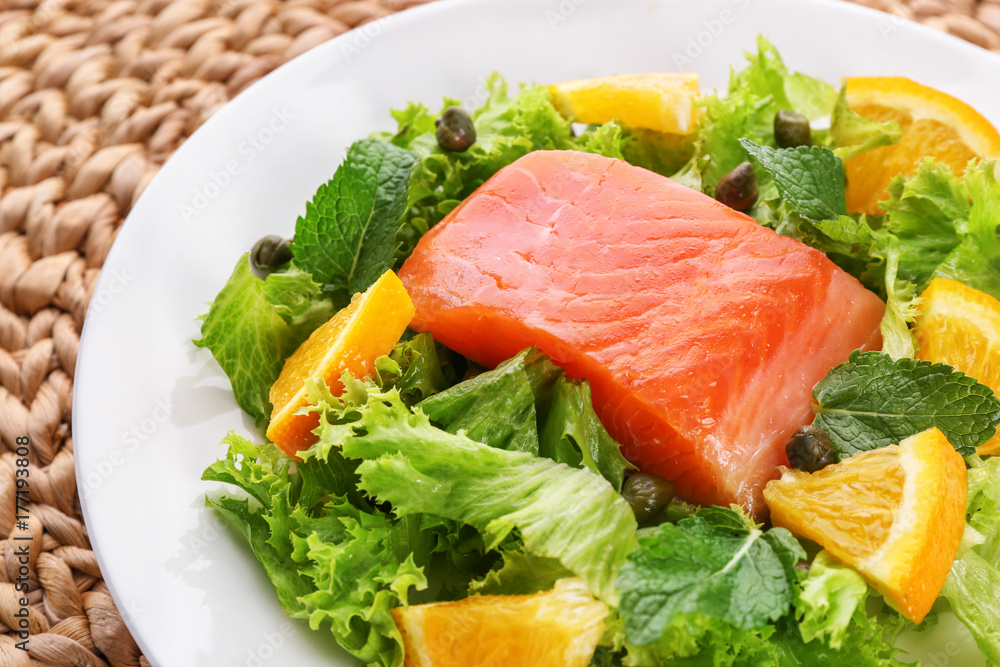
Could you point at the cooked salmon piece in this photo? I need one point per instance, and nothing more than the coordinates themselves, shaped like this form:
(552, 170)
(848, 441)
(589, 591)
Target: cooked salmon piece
(701, 332)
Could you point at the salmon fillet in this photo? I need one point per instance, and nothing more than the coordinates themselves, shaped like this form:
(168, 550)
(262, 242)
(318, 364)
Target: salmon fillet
(701, 332)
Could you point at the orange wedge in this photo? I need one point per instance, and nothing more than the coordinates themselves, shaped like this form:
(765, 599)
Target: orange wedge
(556, 628)
(960, 326)
(895, 514)
(350, 341)
(933, 124)
(661, 102)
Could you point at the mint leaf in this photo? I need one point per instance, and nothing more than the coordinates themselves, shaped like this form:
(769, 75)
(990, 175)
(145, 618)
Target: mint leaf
(714, 566)
(871, 401)
(347, 238)
(809, 178)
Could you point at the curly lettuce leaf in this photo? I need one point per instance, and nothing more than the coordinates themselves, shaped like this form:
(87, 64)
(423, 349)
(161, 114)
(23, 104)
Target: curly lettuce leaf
(756, 94)
(418, 368)
(522, 573)
(976, 259)
(852, 134)
(420, 469)
(499, 408)
(330, 561)
(828, 599)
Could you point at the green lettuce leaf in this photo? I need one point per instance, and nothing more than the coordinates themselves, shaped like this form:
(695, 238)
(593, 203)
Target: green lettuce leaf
(526, 404)
(360, 565)
(716, 566)
(828, 599)
(403, 457)
(522, 573)
(852, 134)
(500, 407)
(299, 300)
(347, 238)
(976, 259)
(756, 93)
(330, 561)
(974, 579)
(573, 434)
(871, 401)
(253, 324)
(870, 644)
(418, 368)
(922, 212)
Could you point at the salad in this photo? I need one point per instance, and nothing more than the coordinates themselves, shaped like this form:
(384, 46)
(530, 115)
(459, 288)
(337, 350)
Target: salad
(429, 478)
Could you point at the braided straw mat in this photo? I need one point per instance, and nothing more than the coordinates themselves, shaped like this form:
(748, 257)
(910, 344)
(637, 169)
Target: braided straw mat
(94, 96)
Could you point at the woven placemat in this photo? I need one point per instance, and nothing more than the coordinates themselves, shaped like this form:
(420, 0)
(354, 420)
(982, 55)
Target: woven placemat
(94, 96)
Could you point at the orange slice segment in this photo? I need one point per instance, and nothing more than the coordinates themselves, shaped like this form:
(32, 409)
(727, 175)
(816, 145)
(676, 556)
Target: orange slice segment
(349, 341)
(662, 102)
(960, 326)
(933, 124)
(894, 514)
(556, 628)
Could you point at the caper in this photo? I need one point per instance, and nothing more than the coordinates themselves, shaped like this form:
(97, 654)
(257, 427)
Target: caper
(269, 254)
(738, 188)
(647, 494)
(791, 129)
(455, 131)
(810, 449)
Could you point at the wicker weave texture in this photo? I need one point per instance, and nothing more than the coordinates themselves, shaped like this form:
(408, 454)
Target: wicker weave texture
(94, 96)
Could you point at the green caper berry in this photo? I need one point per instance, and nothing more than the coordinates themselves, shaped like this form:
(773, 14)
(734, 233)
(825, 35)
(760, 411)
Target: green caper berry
(647, 494)
(791, 129)
(455, 131)
(810, 449)
(738, 189)
(269, 254)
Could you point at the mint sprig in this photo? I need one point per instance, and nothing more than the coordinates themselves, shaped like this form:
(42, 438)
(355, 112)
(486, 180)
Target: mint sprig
(347, 238)
(809, 178)
(715, 566)
(871, 401)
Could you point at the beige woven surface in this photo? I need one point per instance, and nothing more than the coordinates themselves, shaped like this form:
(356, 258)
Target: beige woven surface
(94, 96)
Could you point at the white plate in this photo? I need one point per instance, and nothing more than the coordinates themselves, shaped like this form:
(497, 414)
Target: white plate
(150, 408)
